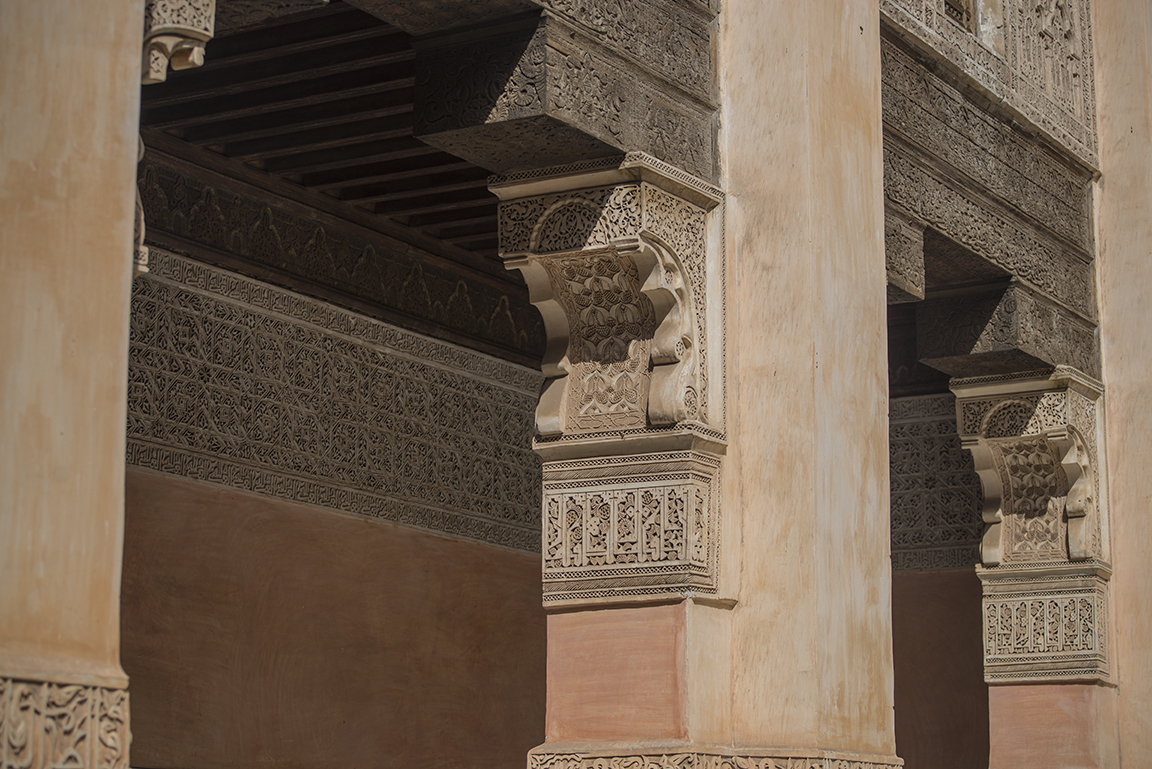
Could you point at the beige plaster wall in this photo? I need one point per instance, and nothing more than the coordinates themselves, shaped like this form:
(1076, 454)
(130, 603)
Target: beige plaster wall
(807, 473)
(259, 632)
(941, 697)
(1051, 726)
(1123, 37)
(69, 102)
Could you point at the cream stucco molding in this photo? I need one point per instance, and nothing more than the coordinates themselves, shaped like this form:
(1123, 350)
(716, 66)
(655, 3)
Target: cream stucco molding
(1036, 442)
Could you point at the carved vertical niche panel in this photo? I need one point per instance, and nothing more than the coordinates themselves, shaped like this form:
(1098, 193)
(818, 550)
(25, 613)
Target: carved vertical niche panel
(1036, 441)
(617, 259)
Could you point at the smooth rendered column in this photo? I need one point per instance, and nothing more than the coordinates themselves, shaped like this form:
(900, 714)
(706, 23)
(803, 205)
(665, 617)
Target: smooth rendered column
(807, 460)
(1123, 44)
(69, 102)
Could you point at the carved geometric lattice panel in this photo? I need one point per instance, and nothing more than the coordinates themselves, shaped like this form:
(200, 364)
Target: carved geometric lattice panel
(237, 382)
(935, 505)
(630, 526)
(1043, 627)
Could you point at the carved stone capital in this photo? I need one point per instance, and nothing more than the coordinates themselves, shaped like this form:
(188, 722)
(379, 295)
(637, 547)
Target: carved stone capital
(175, 32)
(1002, 330)
(46, 725)
(542, 89)
(904, 256)
(617, 257)
(1036, 444)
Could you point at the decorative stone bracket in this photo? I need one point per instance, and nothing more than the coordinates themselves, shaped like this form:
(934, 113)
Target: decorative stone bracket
(175, 32)
(904, 256)
(617, 257)
(1035, 440)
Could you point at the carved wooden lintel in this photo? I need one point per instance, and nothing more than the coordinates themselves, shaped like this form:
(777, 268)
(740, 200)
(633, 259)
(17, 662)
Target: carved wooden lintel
(1037, 445)
(620, 258)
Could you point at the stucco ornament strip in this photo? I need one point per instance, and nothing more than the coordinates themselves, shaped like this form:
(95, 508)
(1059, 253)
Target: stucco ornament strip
(238, 382)
(1034, 56)
(175, 32)
(617, 259)
(935, 497)
(1036, 441)
(52, 725)
(542, 758)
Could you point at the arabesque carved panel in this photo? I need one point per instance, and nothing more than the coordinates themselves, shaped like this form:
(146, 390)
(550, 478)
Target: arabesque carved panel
(58, 726)
(703, 759)
(237, 382)
(935, 497)
(629, 526)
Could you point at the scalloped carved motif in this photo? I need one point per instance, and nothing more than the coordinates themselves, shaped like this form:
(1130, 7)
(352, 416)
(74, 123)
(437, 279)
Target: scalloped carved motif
(51, 726)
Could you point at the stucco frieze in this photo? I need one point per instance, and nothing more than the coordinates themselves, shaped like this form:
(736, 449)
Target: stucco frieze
(48, 725)
(1034, 57)
(988, 229)
(1008, 164)
(237, 382)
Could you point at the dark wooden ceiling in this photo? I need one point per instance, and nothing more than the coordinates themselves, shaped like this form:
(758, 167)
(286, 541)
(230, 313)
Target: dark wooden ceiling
(324, 100)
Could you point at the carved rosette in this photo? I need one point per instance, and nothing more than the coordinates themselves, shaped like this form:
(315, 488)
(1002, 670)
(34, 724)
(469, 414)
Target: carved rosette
(48, 725)
(1036, 443)
(175, 32)
(615, 254)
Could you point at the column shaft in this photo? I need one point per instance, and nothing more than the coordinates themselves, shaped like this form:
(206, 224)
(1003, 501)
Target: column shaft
(69, 96)
(801, 153)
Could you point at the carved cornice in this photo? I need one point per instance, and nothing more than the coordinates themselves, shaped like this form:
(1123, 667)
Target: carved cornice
(51, 725)
(540, 90)
(1034, 58)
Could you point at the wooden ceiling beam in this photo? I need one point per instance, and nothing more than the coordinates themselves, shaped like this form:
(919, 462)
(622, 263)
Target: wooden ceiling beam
(265, 124)
(374, 194)
(351, 156)
(315, 139)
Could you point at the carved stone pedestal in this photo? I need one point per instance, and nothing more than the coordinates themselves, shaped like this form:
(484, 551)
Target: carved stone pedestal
(1036, 441)
(620, 259)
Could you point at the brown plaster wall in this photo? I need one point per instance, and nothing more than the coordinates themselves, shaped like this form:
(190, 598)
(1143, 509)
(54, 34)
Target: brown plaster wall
(69, 105)
(941, 697)
(1051, 726)
(258, 632)
(617, 675)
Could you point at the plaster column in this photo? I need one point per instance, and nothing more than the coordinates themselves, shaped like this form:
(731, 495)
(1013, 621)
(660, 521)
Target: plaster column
(1036, 443)
(69, 104)
(802, 163)
(1123, 45)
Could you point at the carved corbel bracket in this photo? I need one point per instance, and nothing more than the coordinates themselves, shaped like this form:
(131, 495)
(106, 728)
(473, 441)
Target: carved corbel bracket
(617, 257)
(1035, 440)
(175, 32)
(904, 255)
(615, 254)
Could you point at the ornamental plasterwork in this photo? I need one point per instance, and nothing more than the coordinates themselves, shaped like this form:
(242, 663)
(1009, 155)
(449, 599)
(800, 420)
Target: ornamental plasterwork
(240, 383)
(175, 32)
(935, 494)
(631, 525)
(707, 759)
(1034, 55)
(51, 725)
(616, 256)
(1036, 442)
